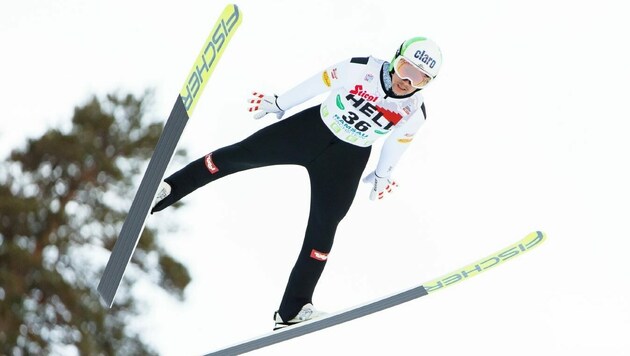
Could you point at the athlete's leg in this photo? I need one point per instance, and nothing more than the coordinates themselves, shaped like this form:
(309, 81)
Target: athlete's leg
(335, 176)
(286, 142)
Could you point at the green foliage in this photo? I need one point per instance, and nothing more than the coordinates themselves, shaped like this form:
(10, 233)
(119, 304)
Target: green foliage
(63, 199)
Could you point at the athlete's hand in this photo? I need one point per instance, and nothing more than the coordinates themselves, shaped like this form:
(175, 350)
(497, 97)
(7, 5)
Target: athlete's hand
(265, 104)
(380, 185)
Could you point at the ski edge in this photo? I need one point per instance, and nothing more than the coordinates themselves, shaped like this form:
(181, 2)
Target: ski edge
(528, 242)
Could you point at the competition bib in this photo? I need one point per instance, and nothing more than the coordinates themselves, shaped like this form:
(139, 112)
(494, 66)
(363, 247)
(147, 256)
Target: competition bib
(360, 117)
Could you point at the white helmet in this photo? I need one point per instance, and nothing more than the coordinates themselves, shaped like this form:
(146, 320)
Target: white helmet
(422, 52)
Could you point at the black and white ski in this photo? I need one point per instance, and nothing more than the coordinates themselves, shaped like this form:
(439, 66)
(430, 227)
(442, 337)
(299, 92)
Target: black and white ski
(528, 242)
(186, 101)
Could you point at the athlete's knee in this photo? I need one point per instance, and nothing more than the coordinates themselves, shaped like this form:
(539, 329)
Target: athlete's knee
(330, 214)
(231, 159)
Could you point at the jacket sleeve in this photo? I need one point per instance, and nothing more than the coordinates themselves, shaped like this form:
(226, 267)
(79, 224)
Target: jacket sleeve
(397, 143)
(313, 86)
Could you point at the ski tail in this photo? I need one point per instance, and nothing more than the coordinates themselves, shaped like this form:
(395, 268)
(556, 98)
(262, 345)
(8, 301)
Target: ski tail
(527, 243)
(187, 99)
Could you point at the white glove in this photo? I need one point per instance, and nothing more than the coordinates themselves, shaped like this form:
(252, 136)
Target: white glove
(265, 104)
(380, 185)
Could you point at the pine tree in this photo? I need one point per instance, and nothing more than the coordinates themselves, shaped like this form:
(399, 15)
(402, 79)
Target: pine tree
(63, 199)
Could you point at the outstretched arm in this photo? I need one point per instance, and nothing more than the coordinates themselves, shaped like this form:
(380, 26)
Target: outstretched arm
(393, 148)
(397, 143)
(317, 84)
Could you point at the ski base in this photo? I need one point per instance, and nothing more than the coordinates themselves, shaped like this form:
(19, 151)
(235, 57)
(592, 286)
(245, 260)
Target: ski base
(197, 79)
(134, 223)
(530, 241)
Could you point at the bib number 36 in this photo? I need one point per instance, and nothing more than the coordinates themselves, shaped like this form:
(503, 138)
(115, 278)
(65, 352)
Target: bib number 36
(353, 119)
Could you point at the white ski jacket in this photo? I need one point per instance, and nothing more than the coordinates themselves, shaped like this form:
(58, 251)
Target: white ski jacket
(361, 108)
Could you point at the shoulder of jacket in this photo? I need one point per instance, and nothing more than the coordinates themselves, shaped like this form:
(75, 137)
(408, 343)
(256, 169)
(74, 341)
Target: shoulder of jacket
(367, 61)
(360, 60)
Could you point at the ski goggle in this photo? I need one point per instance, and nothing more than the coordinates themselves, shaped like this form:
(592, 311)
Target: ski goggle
(407, 70)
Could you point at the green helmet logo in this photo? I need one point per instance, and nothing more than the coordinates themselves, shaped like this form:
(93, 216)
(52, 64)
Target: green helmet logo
(422, 52)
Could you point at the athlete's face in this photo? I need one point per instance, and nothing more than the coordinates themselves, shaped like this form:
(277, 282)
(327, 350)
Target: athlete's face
(401, 86)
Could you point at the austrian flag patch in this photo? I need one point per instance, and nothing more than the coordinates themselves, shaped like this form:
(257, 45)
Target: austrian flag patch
(212, 168)
(320, 256)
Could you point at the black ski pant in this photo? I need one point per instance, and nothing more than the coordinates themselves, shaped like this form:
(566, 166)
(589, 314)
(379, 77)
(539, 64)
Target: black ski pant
(334, 167)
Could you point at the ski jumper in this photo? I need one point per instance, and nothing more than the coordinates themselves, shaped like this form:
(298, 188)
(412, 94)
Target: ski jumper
(332, 141)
